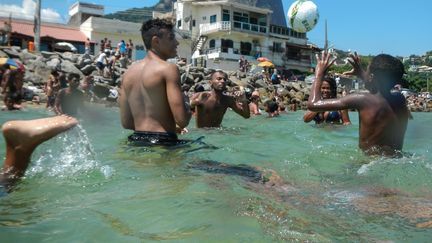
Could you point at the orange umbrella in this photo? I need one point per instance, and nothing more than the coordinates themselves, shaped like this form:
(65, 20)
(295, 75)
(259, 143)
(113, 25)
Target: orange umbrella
(266, 64)
(263, 59)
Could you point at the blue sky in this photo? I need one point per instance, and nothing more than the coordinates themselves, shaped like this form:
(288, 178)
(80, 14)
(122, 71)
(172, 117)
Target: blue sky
(368, 26)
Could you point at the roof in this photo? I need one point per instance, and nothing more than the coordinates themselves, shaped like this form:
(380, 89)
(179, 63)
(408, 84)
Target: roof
(56, 31)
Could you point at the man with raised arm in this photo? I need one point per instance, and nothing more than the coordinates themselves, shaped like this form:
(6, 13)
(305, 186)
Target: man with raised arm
(151, 101)
(211, 106)
(383, 115)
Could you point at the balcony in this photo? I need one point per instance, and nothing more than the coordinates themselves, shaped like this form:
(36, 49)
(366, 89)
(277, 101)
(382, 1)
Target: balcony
(226, 26)
(215, 27)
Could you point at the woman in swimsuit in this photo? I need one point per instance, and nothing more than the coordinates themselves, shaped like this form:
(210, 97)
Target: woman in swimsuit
(328, 90)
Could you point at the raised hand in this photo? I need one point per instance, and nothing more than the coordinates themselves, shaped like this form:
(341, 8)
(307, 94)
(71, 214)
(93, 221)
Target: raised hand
(200, 98)
(357, 70)
(323, 63)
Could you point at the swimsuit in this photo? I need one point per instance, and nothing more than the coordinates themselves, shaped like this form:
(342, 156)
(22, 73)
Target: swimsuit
(154, 138)
(333, 117)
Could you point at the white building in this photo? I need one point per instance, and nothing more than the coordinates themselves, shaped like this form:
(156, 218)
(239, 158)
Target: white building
(219, 32)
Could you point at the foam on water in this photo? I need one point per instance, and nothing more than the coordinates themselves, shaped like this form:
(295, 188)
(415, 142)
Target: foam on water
(70, 153)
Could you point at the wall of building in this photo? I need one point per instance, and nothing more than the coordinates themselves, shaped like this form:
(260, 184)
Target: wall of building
(97, 29)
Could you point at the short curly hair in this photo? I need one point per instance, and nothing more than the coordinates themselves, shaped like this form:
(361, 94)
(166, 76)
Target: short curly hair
(154, 27)
(387, 67)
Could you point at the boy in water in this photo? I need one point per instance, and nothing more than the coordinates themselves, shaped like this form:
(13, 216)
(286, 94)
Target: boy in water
(383, 115)
(211, 106)
(22, 138)
(151, 101)
(70, 99)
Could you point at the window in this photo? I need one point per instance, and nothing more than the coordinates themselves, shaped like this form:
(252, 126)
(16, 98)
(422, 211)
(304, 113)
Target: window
(212, 19)
(225, 15)
(193, 23)
(245, 48)
(212, 43)
(178, 23)
(225, 44)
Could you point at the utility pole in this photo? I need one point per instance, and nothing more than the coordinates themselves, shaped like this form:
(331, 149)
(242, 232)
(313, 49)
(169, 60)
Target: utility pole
(37, 24)
(326, 39)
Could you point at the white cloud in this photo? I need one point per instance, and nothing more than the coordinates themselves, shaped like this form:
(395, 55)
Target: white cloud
(27, 11)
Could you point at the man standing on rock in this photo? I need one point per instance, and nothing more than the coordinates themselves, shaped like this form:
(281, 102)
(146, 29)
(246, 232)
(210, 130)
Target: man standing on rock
(151, 101)
(211, 106)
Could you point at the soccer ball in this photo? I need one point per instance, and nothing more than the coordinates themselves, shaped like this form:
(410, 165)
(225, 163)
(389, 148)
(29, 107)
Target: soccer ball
(303, 16)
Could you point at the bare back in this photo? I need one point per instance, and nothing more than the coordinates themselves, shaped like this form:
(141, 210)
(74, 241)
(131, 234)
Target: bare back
(151, 98)
(383, 122)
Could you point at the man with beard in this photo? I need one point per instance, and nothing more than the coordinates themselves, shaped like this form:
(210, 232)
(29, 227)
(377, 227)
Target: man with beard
(210, 107)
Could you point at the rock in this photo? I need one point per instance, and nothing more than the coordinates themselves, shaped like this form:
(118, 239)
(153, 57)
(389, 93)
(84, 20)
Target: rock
(69, 67)
(48, 54)
(296, 86)
(35, 78)
(25, 56)
(69, 56)
(11, 52)
(88, 69)
(101, 90)
(260, 83)
(3, 54)
(54, 64)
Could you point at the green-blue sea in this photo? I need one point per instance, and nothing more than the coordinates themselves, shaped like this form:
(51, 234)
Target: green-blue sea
(87, 185)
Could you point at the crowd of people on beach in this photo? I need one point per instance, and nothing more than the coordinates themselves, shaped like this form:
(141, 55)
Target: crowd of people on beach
(153, 105)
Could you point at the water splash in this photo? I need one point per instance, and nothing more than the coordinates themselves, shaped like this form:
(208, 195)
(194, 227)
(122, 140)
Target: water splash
(66, 155)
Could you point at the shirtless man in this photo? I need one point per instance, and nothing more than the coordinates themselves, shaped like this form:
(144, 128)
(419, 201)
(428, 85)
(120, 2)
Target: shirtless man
(383, 115)
(22, 138)
(151, 101)
(70, 99)
(211, 106)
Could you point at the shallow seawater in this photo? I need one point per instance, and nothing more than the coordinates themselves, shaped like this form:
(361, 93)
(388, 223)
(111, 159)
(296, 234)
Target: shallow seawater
(87, 186)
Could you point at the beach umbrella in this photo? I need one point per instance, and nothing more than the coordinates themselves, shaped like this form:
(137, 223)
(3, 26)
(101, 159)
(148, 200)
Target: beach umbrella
(263, 59)
(10, 61)
(266, 64)
(13, 64)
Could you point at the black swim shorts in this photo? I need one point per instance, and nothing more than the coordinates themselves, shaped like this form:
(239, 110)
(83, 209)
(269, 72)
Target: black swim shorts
(154, 138)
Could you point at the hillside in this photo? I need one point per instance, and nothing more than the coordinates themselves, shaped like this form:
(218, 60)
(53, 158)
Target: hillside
(140, 15)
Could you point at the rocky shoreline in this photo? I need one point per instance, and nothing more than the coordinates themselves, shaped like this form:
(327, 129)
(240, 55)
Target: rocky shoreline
(39, 66)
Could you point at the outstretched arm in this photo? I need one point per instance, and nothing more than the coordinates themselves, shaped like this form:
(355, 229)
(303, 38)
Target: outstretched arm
(317, 103)
(309, 116)
(240, 105)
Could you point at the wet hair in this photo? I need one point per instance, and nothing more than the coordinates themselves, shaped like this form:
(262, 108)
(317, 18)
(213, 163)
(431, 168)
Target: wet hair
(154, 27)
(388, 70)
(272, 106)
(54, 72)
(72, 76)
(218, 71)
(333, 86)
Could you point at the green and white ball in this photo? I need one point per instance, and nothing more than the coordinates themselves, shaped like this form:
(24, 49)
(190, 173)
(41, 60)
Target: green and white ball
(303, 16)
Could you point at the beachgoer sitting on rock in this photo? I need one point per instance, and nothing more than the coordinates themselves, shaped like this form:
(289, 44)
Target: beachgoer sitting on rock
(328, 91)
(210, 107)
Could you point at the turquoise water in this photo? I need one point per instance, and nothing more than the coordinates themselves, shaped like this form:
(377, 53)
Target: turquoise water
(86, 186)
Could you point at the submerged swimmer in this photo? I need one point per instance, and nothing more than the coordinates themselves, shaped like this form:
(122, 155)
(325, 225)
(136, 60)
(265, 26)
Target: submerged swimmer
(22, 138)
(328, 91)
(383, 114)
